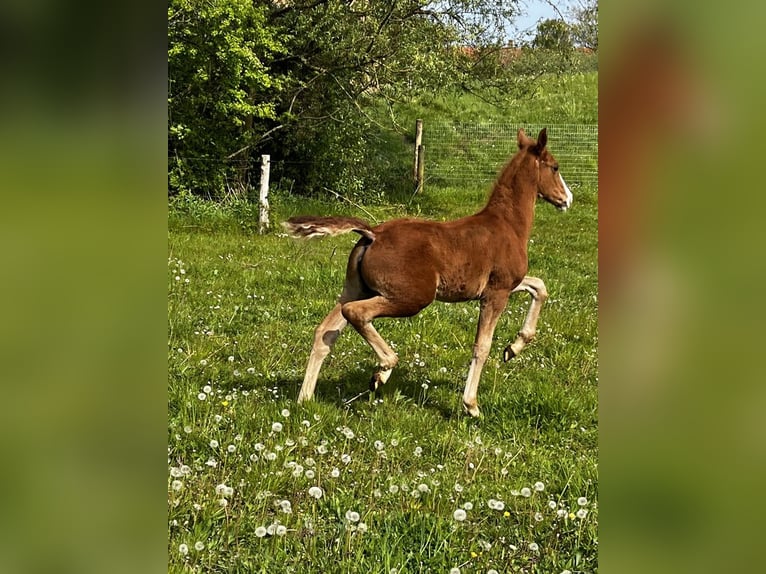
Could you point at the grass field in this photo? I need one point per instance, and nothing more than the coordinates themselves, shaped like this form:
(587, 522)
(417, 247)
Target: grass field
(400, 483)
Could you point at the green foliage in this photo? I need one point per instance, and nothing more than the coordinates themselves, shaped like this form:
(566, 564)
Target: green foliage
(299, 81)
(553, 34)
(219, 85)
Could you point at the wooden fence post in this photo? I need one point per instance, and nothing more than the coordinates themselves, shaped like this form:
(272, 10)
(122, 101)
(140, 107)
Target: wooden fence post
(418, 141)
(421, 168)
(263, 199)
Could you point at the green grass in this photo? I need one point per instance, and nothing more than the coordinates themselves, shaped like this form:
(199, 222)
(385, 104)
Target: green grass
(242, 309)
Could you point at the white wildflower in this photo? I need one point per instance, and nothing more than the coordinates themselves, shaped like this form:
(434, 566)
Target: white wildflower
(459, 515)
(316, 492)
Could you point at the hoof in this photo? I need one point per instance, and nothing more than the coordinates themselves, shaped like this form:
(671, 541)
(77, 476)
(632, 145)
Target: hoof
(508, 354)
(379, 379)
(472, 411)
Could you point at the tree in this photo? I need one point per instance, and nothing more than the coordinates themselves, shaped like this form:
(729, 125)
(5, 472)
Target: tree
(219, 53)
(585, 24)
(553, 34)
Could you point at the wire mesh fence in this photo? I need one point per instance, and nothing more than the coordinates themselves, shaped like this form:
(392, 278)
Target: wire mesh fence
(464, 153)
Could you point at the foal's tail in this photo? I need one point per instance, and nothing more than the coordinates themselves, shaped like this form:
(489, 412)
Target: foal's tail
(307, 226)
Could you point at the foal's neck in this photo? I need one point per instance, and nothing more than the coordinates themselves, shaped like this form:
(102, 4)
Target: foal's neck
(513, 200)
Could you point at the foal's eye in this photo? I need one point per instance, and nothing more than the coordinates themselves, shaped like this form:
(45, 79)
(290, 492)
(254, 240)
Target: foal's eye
(555, 167)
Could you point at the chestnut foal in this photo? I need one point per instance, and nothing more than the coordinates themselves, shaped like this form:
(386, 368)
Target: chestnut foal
(399, 267)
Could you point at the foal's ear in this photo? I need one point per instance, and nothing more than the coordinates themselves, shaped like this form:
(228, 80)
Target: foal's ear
(542, 140)
(522, 138)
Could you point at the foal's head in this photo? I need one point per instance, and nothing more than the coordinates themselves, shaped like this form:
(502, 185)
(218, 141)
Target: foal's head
(550, 185)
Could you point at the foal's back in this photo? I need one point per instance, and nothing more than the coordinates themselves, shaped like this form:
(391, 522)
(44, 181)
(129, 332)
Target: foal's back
(449, 261)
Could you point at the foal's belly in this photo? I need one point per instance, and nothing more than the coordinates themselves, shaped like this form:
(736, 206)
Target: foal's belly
(456, 289)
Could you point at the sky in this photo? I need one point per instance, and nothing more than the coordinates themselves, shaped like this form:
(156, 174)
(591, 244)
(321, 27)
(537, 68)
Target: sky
(537, 10)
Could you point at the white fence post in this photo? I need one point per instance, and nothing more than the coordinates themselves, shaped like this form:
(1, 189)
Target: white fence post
(263, 199)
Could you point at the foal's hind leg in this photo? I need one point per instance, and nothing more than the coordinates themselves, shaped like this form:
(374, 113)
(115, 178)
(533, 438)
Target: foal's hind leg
(361, 313)
(331, 326)
(537, 291)
(324, 338)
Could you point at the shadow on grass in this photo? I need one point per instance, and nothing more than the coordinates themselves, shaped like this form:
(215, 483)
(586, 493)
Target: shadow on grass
(351, 391)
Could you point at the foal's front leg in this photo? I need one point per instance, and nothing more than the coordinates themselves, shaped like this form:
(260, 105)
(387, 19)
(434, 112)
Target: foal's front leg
(538, 293)
(492, 306)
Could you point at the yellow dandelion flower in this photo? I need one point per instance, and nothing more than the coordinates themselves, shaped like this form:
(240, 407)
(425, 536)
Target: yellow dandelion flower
(225, 403)
(506, 514)
(473, 554)
(571, 516)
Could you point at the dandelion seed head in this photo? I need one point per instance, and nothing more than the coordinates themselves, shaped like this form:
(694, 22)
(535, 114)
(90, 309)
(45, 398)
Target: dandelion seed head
(183, 549)
(539, 486)
(260, 532)
(352, 516)
(582, 513)
(176, 485)
(468, 505)
(276, 427)
(285, 413)
(281, 530)
(459, 515)
(533, 546)
(526, 492)
(582, 501)
(361, 527)
(335, 473)
(316, 492)
(199, 546)
(538, 517)
(231, 448)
